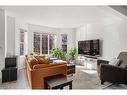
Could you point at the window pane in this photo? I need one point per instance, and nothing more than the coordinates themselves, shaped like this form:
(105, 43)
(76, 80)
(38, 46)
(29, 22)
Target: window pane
(36, 42)
(21, 49)
(64, 42)
(44, 44)
(64, 47)
(22, 38)
(22, 35)
(51, 42)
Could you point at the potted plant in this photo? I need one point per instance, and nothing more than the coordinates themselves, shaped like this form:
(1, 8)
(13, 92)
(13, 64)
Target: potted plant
(72, 53)
(58, 53)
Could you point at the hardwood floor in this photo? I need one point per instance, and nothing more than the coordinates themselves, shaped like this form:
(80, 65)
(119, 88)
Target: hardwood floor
(82, 79)
(21, 83)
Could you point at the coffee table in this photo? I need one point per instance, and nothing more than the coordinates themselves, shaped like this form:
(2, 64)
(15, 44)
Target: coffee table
(58, 82)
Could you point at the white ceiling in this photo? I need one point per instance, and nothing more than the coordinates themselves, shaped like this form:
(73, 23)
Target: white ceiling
(61, 16)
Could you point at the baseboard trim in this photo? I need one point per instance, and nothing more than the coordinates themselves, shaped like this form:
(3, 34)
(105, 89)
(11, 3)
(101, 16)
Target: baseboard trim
(21, 68)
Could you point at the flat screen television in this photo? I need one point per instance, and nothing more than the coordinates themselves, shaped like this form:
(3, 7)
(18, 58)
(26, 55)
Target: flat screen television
(89, 47)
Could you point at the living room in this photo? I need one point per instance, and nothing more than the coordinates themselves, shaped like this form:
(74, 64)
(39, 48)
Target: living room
(25, 29)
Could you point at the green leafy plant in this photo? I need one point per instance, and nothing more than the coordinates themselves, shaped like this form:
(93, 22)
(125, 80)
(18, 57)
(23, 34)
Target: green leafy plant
(58, 53)
(72, 53)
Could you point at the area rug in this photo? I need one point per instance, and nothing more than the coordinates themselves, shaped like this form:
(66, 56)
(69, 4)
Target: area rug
(85, 78)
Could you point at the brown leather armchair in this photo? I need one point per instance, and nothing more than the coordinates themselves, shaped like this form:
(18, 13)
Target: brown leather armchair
(113, 74)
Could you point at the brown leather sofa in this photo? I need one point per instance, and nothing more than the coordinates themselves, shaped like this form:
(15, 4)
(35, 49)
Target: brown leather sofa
(114, 74)
(37, 72)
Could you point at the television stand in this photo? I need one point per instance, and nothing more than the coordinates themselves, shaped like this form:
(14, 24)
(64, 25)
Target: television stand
(90, 56)
(89, 62)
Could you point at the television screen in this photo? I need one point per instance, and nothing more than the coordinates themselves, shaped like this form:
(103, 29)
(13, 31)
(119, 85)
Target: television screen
(89, 47)
(80, 49)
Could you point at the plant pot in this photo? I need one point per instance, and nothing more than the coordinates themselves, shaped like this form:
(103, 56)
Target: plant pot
(72, 61)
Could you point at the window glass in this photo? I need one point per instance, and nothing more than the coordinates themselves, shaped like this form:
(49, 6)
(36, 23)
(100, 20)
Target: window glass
(22, 42)
(64, 42)
(36, 43)
(21, 49)
(21, 36)
(51, 42)
(44, 43)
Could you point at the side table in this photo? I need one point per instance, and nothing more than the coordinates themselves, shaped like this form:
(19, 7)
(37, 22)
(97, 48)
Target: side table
(9, 74)
(70, 69)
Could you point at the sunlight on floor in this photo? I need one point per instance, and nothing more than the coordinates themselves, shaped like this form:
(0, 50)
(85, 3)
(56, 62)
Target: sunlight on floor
(87, 66)
(89, 71)
(80, 67)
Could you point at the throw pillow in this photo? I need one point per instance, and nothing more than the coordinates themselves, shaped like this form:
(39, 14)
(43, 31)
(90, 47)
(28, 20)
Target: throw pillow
(59, 61)
(43, 61)
(40, 56)
(114, 62)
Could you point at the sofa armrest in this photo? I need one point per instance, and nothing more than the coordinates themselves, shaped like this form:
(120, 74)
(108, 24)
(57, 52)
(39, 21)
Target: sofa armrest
(99, 62)
(51, 70)
(39, 66)
(113, 73)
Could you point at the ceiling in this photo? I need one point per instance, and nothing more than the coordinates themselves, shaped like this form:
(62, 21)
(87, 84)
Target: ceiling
(61, 16)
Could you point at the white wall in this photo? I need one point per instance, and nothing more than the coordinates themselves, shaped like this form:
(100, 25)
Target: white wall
(70, 37)
(14, 23)
(37, 28)
(20, 24)
(10, 47)
(2, 39)
(113, 36)
(81, 34)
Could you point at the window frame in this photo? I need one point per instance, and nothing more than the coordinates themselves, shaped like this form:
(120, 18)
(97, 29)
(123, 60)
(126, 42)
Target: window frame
(43, 33)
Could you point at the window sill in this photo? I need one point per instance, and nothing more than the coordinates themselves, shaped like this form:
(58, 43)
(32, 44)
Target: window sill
(22, 56)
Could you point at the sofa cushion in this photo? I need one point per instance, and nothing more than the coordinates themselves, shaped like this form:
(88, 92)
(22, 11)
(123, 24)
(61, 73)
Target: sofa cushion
(123, 57)
(42, 60)
(39, 56)
(38, 66)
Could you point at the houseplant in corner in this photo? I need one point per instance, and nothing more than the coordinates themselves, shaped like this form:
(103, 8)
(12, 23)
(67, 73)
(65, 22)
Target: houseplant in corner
(72, 54)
